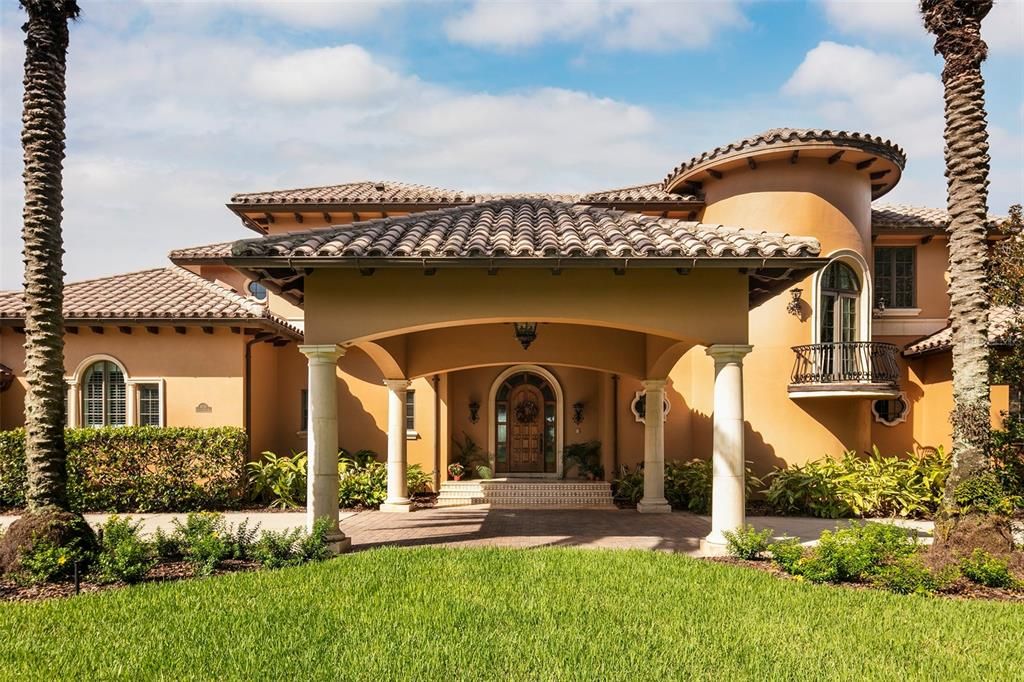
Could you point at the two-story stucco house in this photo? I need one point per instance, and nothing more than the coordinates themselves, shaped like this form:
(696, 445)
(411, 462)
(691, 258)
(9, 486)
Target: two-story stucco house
(756, 293)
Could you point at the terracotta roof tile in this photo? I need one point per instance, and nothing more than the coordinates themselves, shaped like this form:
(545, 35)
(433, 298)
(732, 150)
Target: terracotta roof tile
(783, 137)
(365, 192)
(907, 217)
(199, 253)
(654, 193)
(170, 293)
(523, 228)
(1000, 319)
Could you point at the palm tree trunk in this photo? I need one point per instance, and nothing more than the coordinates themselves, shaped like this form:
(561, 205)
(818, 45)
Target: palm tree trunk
(42, 138)
(956, 25)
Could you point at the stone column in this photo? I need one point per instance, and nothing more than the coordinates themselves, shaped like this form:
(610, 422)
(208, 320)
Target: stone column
(74, 402)
(654, 501)
(322, 441)
(398, 487)
(728, 457)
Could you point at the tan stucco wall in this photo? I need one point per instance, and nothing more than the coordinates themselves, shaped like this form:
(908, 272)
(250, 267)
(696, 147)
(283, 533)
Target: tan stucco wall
(707, 305)
(196, 367)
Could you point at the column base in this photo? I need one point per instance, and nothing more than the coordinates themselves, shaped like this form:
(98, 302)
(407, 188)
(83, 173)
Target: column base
(712, 547)
(339, 543)
(654, 507)
(398, 507)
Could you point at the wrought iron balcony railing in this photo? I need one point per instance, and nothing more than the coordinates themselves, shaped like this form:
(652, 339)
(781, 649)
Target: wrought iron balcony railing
(846, 362)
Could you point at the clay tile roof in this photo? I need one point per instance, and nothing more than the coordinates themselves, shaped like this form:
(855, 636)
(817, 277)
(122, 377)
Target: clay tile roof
(654, 192)
(1000, 324)
(521, 228)
(199, 253)
(906, 217)
(788, 137)
(365, 192)
(161, 294)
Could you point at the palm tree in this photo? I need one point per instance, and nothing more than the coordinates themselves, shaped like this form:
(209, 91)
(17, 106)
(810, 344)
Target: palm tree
(956, 25)
(42, 138)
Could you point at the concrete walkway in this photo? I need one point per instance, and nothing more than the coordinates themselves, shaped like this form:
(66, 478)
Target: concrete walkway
(481, 526)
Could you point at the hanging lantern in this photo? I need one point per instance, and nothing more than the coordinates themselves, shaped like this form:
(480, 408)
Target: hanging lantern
(525, 333)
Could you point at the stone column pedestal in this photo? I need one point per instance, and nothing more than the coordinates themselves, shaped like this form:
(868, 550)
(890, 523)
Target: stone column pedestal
(728, 494)
(322, 442)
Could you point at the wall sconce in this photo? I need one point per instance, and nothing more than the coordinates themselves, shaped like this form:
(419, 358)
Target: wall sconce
(474, 411)
(879, 310)
(577, 413)
(795, 305)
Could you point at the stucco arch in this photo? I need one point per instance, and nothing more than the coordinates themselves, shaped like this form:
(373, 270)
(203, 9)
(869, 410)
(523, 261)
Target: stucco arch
(347, 308)
(79, 373)
(456, 348)
(559, 407)
(865, 301)
(385, 355)
(660, 361)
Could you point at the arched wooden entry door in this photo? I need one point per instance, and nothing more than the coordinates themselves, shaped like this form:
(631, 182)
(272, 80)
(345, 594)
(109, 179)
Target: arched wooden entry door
(525, 412)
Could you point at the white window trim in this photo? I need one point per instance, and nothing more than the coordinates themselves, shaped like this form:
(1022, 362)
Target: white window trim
(864, 306)
(900, 312)
(898, 420)
(133, 396)
(74, 382)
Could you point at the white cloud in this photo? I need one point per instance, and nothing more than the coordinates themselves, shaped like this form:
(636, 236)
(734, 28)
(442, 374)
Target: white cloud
(641, 25)
(854, 86)
(164, 124)
(1003, 28)
(324, 74)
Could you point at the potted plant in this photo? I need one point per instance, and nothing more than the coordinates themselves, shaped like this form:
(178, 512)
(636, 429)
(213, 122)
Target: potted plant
(587, 459)
(456, 470)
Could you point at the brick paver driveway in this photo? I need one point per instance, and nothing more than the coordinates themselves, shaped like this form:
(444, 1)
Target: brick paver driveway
(479, 526)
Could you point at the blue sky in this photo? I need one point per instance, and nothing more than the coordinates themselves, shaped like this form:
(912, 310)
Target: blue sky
(174, 106)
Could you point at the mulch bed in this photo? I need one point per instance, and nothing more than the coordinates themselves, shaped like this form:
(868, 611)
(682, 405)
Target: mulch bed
(961, 589)
(166, 571)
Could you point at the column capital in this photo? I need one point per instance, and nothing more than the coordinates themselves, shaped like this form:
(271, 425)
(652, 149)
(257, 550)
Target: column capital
(654, 384)
(397, 384)
(326, 352)
(729, 352)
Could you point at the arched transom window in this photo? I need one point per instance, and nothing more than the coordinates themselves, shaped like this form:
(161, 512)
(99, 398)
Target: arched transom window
(840, 289)
(104, 395)
(525, 409)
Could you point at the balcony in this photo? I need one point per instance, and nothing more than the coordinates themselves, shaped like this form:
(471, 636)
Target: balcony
(863, 369)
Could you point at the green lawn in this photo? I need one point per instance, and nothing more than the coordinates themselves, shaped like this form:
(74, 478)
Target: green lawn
(429, 614)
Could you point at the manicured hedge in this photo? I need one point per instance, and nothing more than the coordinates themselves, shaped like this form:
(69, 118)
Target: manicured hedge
(138, 468)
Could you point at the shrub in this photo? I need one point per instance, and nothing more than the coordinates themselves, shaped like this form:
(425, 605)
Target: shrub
(202, 541)
(138, 468)
(629, 485)
(276, 549)
(1007, 453)
(279, 481)
(983, 492)
(586, 457)
(167, 545)
(419, 481)
(124, 556)
(875, 485)
(909, 576)
(747, 542)
(985, 569)
(856, 553)
(240, 539)
(362, 483)
(786, 553)
(45, 546)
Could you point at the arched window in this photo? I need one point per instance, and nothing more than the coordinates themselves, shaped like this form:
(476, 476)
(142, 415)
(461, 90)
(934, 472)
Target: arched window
(525, 412)
(257, 291)
(104, 397)
(840, 289)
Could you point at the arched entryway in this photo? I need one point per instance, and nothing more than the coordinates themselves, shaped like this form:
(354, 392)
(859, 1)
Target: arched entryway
(526, 430)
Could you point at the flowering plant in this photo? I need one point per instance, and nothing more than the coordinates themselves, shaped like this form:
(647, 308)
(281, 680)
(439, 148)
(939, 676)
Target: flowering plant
(456, 470)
